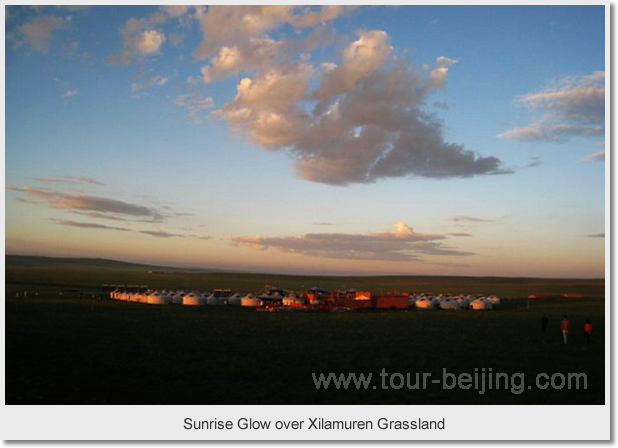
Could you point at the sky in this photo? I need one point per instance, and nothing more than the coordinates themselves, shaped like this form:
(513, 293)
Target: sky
(416, 140)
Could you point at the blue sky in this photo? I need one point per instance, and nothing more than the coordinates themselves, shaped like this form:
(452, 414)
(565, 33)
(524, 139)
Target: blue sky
(450, 140)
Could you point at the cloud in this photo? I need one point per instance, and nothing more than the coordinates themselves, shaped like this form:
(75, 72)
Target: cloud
(98, 215)
(197, 104)
(460, 218)
(140, 38)
(460, 234)
(596, 156)
(367, 123)
(551, 132)
(401, 245)
(38, 32)
(223, 26)
(570, 107)
(88, 225)
(177, 10)
(69, 180)
(534, 162)
(70, 94)
(256, 52)
(79, 202)
(161, 234)
(154, 233)
(139, 87)
(597, 235)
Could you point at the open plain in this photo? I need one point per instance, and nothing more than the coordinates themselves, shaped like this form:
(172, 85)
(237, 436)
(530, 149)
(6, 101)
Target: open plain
(65, 345)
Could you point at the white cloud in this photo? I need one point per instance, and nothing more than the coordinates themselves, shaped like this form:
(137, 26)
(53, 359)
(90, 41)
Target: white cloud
(38, 32)
(197, 104)
(256, 53)
(177, 10)
(149, 41)
(367, 123)
(228, 26)
(70, 94)
(140, 38)
(148, 81)
(571, 106)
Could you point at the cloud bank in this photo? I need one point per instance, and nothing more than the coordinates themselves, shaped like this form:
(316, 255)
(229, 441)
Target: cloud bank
(86, 203)
(403, 244)
(570, 107)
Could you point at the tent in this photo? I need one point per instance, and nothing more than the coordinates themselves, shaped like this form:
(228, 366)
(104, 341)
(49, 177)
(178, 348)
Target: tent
(425, 303)
(250, 300)
(158, 298)
(481, 304)
(193, 299)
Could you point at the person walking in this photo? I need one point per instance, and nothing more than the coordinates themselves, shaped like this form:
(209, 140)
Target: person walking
(587, 330)
(566, 326)
(544, 322)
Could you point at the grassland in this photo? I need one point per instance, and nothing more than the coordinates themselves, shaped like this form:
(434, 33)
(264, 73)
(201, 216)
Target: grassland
(61, 349)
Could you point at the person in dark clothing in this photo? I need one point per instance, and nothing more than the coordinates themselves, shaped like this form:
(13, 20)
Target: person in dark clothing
(544, 322)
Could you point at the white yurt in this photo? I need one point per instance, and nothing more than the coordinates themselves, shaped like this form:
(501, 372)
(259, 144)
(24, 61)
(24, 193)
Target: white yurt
(212, 300)
(480, 304)
(234, 300)
(194, 299)
(158, 298)
(464, 302)
(450, 303)
(425, 303)
(250, 300)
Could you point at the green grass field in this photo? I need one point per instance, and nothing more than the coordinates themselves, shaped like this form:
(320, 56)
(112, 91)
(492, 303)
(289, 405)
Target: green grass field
(64, 350)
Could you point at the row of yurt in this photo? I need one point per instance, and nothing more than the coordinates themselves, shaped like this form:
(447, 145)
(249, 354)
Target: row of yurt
(194, 298)
(447, 302)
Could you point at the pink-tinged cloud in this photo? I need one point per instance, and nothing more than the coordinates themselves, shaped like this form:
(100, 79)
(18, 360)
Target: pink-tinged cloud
(38, 32)
(401, 245)
(598, 156)
(73, 202)
(223, 26)
(140, 38)
(367, 123)
(572, 106)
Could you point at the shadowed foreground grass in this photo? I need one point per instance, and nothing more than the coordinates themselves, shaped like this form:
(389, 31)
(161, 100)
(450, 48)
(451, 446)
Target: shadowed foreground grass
(83, 351)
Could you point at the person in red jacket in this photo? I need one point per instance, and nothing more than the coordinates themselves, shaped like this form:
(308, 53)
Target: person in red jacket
(587, 330)
(566, 326)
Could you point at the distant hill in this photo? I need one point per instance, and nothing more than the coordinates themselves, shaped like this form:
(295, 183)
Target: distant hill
(61, 262)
